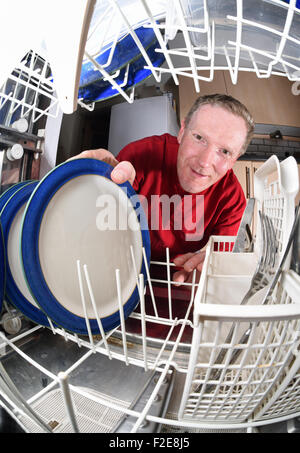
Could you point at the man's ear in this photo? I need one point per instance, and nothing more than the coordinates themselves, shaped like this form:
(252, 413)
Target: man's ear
(181, 131)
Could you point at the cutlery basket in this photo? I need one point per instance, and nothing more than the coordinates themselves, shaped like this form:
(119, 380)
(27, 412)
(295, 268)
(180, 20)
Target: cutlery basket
(225, 279)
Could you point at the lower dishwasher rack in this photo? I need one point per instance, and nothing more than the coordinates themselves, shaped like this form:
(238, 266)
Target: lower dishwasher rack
(155, 373)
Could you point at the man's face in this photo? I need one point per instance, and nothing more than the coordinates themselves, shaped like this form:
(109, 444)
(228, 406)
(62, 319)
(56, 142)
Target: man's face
(208, 147)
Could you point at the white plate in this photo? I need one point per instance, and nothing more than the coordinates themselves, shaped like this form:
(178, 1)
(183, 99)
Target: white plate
(17, 291)
(77, 213)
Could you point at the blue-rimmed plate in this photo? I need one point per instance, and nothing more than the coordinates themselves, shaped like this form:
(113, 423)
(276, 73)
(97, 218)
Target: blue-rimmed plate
(5, 196)
(102, 89)
(2, 268)
(16, 291)
(77, 214)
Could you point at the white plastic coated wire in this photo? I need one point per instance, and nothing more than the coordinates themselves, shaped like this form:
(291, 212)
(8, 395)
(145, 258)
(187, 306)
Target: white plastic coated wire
(194, 36)
(236, 389)
(246, 394)
(260, 387)
(263, 385)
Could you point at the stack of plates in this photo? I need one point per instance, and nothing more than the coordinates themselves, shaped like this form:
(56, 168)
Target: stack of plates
(74, 216)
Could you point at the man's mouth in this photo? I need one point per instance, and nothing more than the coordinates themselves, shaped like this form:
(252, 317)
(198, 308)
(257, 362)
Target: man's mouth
(199, 173)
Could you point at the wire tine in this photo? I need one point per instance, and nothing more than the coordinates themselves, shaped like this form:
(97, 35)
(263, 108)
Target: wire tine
(150, 283)
(161, 42)
(122, 318)
(134, 36)
(193, 285)
(274, 243)
(51, 325)
(264, 240)
(65, 388)
(108, 77)
(84, 305)
(148, 278)
(65, 334)
(143, 320)
(78, 340)
(20, 400)
(165, 343)
(134, 265)
(269, 244)
(188, 44)
(114, 44)
(99, 322)
(169, 283)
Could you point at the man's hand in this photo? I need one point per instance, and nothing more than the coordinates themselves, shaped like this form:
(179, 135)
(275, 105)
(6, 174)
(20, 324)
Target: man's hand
(123, 171)
(188, 262)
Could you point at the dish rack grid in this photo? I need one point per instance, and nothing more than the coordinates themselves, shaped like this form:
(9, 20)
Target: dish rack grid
(180, 330)
(200, 45)
(28, 92)
(263, 387)
(193, 36)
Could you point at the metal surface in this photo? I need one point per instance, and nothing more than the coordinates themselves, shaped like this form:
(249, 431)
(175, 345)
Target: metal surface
(130, 385)
(243, 239)
(267, 261)
(10, 136)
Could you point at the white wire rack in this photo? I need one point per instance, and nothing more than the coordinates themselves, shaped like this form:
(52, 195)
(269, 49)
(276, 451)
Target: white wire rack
(257, 36)
(225, 279)
(260, 36)
(28, 92)
(262, 387)
(248, 388)
(182, 329)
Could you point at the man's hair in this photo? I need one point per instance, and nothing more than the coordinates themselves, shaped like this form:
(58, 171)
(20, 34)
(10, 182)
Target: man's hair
(229, 103)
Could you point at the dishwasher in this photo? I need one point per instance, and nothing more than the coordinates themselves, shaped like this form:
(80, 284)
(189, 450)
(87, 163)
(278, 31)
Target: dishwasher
(191, 359)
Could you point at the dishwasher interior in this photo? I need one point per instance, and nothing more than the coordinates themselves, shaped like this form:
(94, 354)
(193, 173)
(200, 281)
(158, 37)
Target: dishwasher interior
(189, 359)
(159, 372)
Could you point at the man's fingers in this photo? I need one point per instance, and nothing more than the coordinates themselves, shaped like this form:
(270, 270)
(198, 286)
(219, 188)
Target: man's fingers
(195, 262)
(181, 259)
(100, 154)
(183, 276)
(180, 277)
(124, 171)
(190, 261)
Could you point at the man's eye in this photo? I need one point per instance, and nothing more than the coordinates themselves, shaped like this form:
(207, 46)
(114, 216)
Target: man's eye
(198, 137)
(226, 152)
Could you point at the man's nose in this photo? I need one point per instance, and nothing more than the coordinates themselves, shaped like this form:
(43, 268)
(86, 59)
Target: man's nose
(207, 156)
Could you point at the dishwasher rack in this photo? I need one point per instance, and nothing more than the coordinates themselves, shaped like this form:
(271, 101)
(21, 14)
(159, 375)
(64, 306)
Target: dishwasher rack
(262, 388)
(172, 339)
(196, 39)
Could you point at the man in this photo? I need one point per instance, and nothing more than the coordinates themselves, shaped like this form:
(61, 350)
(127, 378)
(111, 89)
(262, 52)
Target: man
(197, 167)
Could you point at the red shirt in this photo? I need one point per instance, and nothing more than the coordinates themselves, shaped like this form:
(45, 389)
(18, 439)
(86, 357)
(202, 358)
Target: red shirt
(216, 210)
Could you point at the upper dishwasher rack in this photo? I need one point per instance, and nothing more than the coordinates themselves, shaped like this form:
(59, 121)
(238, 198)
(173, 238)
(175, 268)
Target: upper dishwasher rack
(260, 36)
